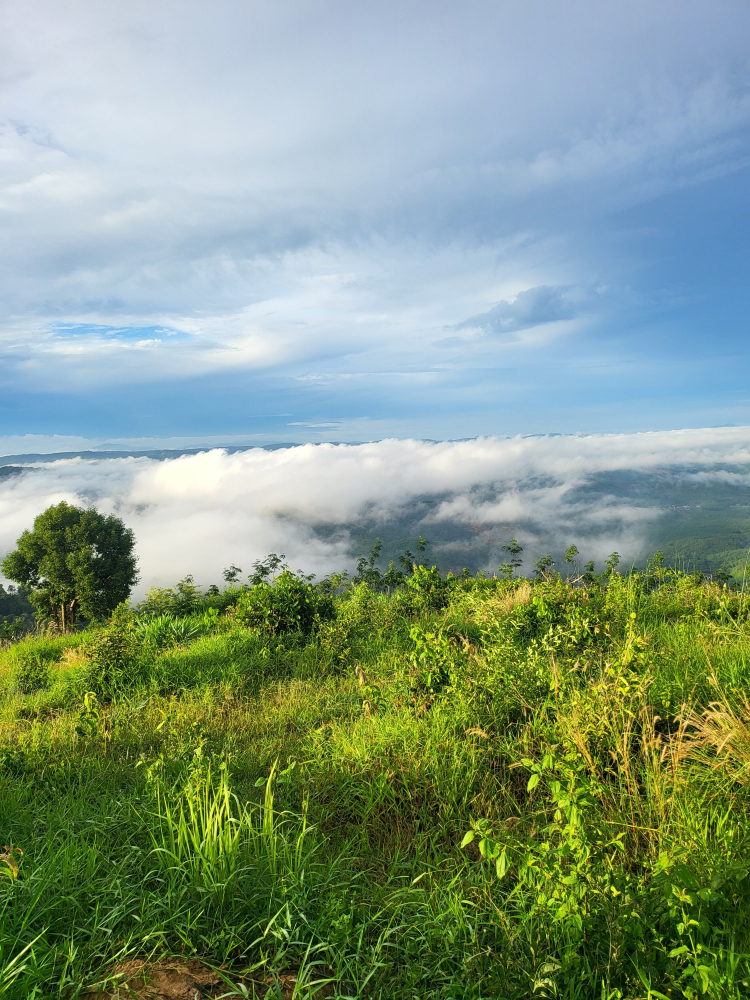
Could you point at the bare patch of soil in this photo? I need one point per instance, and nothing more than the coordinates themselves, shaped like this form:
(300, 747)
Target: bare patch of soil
(187, 979)
(167, 979)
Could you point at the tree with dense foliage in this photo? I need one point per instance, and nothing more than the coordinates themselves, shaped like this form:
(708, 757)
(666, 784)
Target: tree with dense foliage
(75, 563)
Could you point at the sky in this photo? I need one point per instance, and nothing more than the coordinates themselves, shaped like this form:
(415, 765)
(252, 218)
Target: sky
(256, 222)
(203, 512)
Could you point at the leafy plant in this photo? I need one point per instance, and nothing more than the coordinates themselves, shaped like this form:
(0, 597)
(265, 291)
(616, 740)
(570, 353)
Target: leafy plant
(182, 599)
(372, 697)
(232, 574)
(90, 722)
(110, 650)
(612, 561)
(14, 628)
(568, 869)
(431, 664)
(570, 556)
(168, 630)
(269, 568)
(543, 565)
(290, 604)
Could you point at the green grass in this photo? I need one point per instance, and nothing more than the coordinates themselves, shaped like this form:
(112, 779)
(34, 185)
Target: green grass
(290, 802)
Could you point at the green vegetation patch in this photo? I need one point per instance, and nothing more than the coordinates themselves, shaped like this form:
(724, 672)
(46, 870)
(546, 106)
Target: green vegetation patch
(408, 785)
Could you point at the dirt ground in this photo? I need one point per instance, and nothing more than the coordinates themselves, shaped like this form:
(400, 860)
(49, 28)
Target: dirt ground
(188, 979)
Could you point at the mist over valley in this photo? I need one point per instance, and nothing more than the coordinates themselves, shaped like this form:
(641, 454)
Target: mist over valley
(684, 492)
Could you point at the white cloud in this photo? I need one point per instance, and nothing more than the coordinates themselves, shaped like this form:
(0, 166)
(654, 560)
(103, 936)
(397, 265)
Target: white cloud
(199, 513)
(296, 181)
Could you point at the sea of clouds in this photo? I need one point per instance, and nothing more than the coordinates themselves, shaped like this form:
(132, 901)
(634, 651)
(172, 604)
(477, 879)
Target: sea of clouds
(198, 513)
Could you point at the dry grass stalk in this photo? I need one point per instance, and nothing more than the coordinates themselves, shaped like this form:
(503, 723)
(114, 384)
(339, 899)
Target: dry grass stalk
(718, 736)
(488, 611)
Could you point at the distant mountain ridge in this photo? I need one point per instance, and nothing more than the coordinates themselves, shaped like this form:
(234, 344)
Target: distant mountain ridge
(158, 453)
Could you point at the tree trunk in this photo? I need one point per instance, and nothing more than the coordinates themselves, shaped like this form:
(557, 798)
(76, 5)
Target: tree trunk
(62, 616)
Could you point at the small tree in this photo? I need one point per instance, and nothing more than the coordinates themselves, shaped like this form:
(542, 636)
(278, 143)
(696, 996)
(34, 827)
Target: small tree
(232, 575)
(110, 652)
(612, 563)
(369, 573)
(181, 600)
(75, 562)
(570, 556)
(509, 566)
(543, 566)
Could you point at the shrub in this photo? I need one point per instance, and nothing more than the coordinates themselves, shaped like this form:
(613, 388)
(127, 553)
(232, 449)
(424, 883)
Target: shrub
(182, 599)
(111, 652)
(430, 589)
(361, 615)
(32, 673)
(431, 666)
(290, 604)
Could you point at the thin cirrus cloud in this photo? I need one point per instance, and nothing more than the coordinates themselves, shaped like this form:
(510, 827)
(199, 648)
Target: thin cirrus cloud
(306, 188)
(199, 513)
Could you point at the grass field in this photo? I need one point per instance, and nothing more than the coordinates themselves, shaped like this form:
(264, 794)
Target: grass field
(465, 788)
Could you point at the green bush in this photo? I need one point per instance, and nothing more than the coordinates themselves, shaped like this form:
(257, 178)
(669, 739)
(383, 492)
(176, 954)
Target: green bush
(363, 618)
(111, 653)
(429, 588)
(291, 604)
(33, 673)
(182, 599)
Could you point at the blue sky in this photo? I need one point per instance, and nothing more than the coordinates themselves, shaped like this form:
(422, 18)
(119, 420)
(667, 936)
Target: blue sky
(344, 221)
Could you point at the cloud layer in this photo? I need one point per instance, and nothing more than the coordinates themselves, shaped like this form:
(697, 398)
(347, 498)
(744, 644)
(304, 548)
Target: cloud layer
(199, 513)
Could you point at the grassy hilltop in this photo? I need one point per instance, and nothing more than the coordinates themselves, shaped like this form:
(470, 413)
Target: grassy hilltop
(425, 788)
